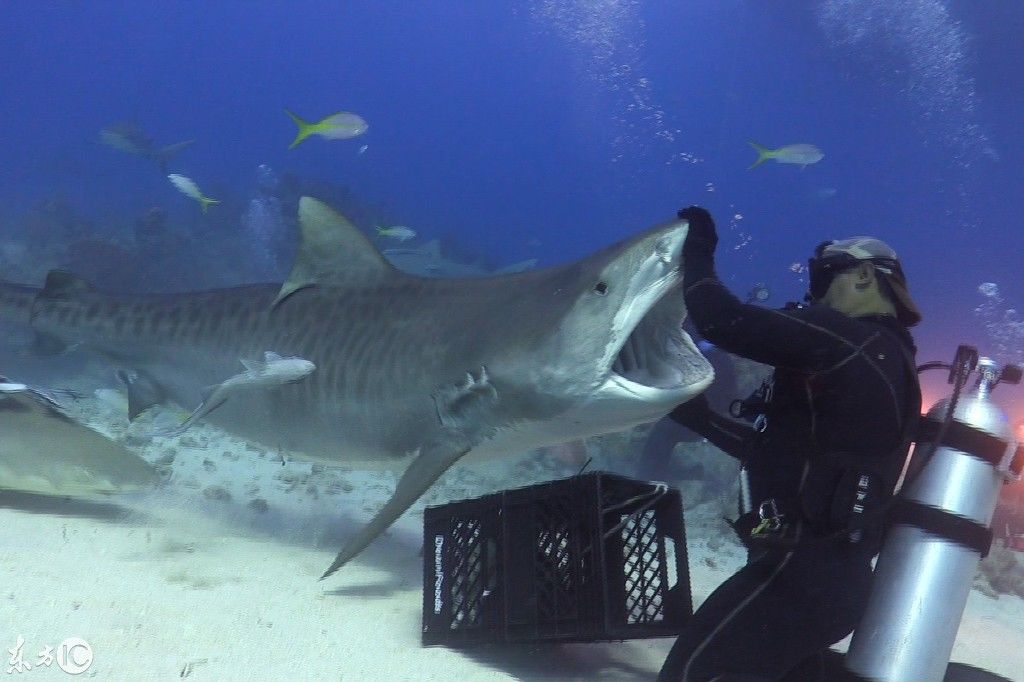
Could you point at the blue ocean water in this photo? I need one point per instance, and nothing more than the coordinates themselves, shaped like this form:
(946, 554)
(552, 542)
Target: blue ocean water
(540, 129)
(547, 129)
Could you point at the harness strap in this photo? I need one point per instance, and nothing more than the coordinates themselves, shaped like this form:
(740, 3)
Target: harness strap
(958, 529)
(974, 442)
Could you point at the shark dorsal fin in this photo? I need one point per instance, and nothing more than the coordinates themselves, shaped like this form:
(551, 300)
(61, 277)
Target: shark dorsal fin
(332, 250)
(61, 284)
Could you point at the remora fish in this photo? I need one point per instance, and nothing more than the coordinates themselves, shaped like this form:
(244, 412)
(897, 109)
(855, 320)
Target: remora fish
(426, 369)
(272, 371)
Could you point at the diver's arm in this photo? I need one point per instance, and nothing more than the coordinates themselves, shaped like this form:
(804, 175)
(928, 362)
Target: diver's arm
(805, 339)
(728, 435)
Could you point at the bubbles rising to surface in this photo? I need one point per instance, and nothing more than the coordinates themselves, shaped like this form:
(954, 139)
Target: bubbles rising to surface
(264, 227)
(1002, 324)
(930, 48)
(989, 289)
(606, 38)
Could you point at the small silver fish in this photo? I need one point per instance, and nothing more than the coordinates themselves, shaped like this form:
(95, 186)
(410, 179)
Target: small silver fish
(189, 188)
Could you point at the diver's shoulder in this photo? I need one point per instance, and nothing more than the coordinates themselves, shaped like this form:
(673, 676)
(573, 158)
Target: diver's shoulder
(849, 326)
(814, 312)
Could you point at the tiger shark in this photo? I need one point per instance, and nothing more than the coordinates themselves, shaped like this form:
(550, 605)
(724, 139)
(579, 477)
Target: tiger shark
(411, 370)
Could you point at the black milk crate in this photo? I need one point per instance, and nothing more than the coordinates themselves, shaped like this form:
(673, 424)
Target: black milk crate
(589, 558)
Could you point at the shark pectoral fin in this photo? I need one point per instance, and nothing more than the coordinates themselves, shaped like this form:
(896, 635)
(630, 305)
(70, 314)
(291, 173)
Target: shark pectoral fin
(421, 474)
(464, 410)
(331, 251)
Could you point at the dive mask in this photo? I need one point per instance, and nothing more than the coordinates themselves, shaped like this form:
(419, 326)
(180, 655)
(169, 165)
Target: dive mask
(832, 257)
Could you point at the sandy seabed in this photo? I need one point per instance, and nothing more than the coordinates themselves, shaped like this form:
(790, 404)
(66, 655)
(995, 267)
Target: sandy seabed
(215, 577)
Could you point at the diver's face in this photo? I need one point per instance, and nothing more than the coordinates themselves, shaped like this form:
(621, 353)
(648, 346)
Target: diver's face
(849, 288)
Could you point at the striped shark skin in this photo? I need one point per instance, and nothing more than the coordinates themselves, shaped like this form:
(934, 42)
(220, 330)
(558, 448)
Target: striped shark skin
(411, 371)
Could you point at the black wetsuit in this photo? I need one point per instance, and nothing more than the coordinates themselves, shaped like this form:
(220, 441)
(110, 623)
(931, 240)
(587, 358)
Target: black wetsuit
(843, 394)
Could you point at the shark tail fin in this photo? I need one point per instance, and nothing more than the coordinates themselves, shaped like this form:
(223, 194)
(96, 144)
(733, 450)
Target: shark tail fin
(305, 129)
(763, 154)
(165, 154)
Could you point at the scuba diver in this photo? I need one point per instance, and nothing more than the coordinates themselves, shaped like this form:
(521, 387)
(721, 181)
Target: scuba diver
(822, 447)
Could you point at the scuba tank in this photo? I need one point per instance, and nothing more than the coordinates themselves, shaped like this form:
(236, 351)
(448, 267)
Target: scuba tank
(939, 529)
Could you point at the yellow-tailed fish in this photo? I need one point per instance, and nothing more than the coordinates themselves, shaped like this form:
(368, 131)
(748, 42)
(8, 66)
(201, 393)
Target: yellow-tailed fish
(800, 154)
(339, 126)
(190, 189)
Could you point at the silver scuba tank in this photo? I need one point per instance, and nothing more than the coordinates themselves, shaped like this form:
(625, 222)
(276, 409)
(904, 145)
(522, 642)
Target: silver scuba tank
(938, 534)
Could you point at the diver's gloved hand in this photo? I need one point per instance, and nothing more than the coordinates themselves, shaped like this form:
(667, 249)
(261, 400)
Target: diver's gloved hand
(693, 414)
(702, 238)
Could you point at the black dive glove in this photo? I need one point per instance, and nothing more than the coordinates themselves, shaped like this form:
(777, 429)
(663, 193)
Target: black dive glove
(694, 414)
(702, 238)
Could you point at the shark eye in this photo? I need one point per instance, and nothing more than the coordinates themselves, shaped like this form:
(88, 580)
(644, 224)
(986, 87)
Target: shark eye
(601, 288)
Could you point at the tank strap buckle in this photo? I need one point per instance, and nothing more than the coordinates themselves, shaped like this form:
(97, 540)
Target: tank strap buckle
(771, 520)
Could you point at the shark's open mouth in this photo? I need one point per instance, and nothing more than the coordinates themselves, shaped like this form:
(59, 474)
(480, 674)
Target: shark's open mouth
(658, 353)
